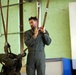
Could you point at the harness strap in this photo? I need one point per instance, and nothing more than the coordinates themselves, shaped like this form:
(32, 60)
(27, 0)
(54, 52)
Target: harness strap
(46, 12)
(3, 20)
(7, 46)
(38, 7)
(7, 18)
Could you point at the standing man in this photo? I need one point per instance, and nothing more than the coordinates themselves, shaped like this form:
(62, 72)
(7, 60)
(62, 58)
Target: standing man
(36, 39)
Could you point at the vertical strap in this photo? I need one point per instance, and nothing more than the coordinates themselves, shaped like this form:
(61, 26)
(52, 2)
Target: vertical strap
(38, 7)
(46, 12)
(7, 46)
(7, 20)
(3, 20)
(5, 29)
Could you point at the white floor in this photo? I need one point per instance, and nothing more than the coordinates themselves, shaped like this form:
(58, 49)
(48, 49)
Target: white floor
(23, 73)
(53, 68)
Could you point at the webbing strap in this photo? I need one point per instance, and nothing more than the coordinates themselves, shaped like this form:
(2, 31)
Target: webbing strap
(5, 29)
(7, 20)
(46, 12)
(38, 7)
(3, 20)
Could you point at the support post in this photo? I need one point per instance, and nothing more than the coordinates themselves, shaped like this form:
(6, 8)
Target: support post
(21, 25)
(21, 28)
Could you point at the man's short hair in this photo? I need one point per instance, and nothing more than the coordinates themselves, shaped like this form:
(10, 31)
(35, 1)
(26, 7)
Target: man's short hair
(34, 18)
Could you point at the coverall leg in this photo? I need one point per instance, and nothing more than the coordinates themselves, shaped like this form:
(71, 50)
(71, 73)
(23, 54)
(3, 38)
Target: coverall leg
(36, 62)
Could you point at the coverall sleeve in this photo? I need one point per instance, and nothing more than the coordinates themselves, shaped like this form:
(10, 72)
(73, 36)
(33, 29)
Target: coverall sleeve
(46, 38)
(29, 40)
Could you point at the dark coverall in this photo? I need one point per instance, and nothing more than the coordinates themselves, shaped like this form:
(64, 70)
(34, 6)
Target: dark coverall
(36, 54)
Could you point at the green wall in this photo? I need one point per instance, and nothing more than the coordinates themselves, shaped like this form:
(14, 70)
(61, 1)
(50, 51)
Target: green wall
(57, 24)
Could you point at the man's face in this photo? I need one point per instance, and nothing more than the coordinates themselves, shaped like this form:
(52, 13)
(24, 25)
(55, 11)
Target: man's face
(33, 23)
